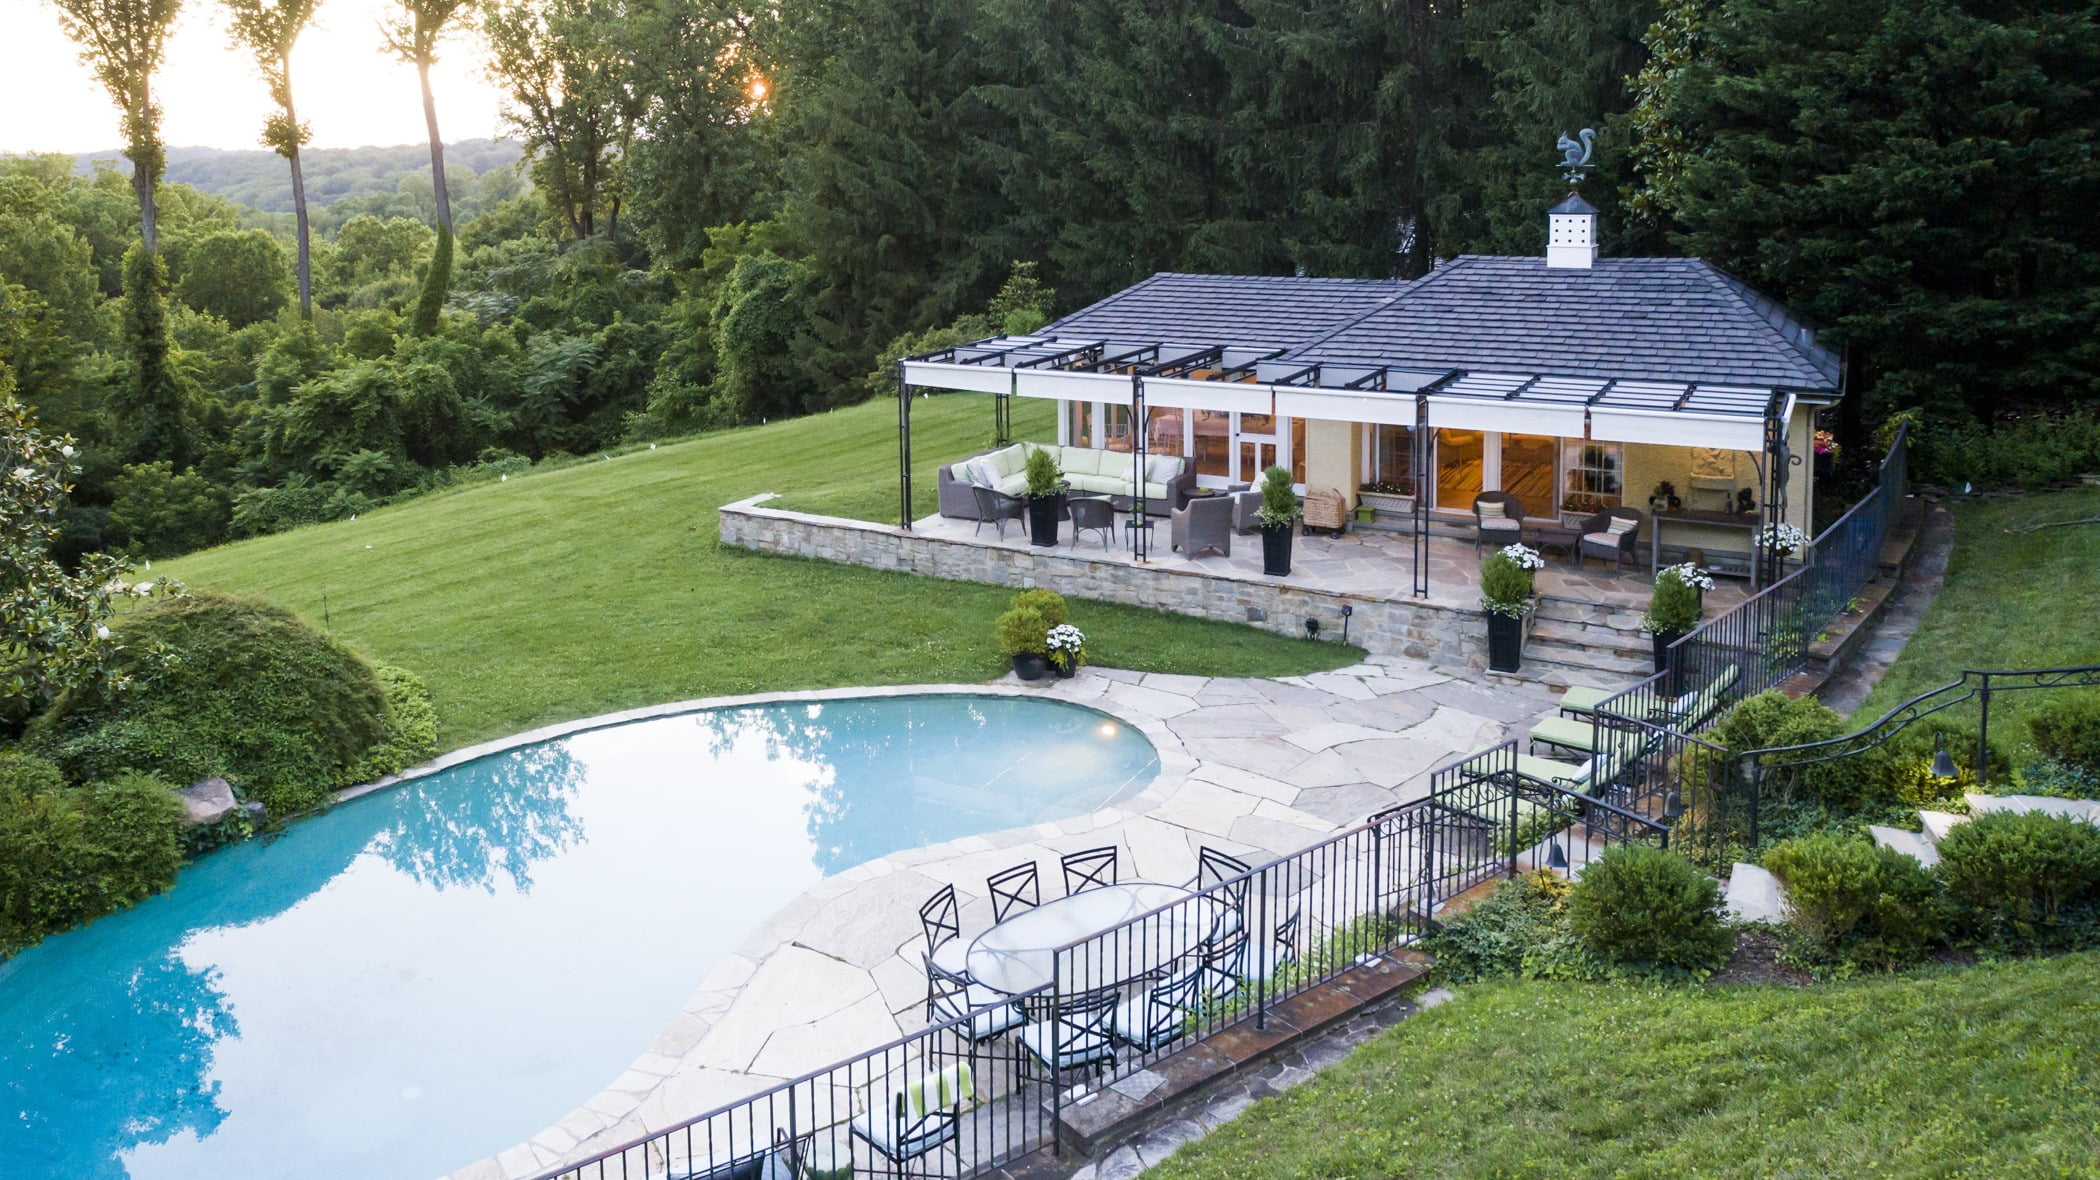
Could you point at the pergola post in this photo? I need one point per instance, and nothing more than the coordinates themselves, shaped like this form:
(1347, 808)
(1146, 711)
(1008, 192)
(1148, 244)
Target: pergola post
(903, 450)
(1140, 536)
(1776, 463)
(1419, 532)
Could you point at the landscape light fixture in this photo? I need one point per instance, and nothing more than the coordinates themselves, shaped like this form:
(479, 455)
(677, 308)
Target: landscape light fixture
(1673, 804)
(1312, 628)
(1556, 859)
(1942, 762)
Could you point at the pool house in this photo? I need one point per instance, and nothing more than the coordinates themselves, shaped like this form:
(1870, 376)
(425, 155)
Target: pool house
(1571, 383)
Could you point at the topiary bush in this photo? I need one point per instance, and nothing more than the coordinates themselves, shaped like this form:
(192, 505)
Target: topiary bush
(68, 855)
(1853, 903)
(2067, 730)
(252, 694)
(2023, 879)
(1645, 907)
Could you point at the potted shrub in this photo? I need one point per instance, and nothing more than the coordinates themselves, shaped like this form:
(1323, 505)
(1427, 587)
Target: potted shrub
(1046, 497)
(1278, 512)
(1024, 631)
(1067, 646)
(1506, 596)
(1673, 610)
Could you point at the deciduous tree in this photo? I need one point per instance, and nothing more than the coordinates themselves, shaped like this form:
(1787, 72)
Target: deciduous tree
(269, 29)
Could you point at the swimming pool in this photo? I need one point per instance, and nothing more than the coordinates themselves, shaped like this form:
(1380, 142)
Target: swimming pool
(426, 976)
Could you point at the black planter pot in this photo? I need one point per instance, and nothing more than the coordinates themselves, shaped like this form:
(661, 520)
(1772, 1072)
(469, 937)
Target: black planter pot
(1064, 671)
(1662, 641)
(1029, 665)
(1505, 643)
(1043, 513)
(1822, 464)
(1276, 550)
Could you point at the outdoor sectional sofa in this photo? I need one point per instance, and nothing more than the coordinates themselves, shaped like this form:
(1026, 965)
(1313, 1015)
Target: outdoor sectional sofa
(1168, 478)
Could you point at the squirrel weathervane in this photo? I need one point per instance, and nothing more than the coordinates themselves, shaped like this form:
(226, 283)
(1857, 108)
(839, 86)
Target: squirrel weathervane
(1575, 156)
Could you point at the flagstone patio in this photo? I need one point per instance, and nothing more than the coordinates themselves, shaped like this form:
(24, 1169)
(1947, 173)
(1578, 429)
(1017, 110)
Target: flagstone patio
(1252, 767)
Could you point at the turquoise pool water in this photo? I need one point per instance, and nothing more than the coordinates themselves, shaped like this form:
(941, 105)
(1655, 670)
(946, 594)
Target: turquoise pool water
(431, 974)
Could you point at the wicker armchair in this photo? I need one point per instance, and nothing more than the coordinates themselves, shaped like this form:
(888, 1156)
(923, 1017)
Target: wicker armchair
(1204, 526)
(1498, 528)
(1610, 535)
(997, 507)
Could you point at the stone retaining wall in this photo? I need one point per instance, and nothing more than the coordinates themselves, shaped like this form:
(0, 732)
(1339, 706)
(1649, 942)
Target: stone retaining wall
(1419, 630)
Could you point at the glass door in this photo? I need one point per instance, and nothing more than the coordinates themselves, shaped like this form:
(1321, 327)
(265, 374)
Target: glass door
(1527, 472)
(1254, 452)
(1459, 456)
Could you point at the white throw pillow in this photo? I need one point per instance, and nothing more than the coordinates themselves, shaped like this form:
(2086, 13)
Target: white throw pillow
(1490, 510)
(1162, 468)
(1621, 525)
(982, 471)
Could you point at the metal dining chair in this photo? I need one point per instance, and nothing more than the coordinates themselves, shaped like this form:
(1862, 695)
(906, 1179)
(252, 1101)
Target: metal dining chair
(1217, 974)
(1016, 888)
(1213, 870)
(1159, 1015)
(941, 921)
(1078, 1034)
(910, 1125)
(1089, 869)
(951, 997)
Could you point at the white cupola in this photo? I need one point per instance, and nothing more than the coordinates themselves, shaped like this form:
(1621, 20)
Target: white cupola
(1571, 234)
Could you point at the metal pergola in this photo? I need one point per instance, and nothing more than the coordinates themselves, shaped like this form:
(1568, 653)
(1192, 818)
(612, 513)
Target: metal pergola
(1212, 375)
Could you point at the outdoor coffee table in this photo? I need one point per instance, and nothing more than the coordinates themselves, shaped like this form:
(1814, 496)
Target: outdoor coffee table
(1017, 955)
(1569, 540)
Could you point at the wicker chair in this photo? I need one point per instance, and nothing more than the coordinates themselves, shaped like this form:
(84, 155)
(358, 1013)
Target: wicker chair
(1507, 528)
(1611, 535)
(1246, 507)
(1093, 513)
(1204, 526)
(997, 507)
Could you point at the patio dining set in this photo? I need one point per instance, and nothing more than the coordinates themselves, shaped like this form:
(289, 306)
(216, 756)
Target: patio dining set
(1203, 520)
(1112, 967)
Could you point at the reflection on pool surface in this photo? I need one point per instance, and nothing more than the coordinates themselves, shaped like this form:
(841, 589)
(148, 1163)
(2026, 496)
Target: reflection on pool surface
(429, 975)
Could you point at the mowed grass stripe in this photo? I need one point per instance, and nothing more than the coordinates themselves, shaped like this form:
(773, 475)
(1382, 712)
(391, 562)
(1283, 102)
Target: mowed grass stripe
(600, 585)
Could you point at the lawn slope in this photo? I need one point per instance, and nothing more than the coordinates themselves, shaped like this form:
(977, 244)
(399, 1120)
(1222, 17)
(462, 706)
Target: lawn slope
(600, 586)
(1984, 1071)
(2012, 600)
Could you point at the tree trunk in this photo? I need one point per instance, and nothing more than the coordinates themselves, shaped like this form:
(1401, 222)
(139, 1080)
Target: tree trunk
(437, 147)
(306, 269)
(145, 153)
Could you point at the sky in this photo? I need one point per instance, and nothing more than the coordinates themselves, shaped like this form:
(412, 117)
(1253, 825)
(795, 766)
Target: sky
(349, 90)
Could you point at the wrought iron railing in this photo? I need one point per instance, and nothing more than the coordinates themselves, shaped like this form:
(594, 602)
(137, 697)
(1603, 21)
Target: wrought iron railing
(969, 1094)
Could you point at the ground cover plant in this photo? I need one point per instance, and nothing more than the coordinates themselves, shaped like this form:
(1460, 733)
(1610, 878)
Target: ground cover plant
(1982, 1071)
(600, 585)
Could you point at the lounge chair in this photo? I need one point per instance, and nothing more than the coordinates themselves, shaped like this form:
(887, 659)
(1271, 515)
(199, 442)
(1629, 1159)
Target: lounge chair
(1581, 698)
(778, 1161)
(1498, 518)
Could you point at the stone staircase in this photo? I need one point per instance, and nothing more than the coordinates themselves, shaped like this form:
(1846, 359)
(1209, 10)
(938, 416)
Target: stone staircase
(1754, 895)
(1578, 642)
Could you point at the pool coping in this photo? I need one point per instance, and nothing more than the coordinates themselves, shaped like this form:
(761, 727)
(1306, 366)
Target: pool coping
(617, 1111)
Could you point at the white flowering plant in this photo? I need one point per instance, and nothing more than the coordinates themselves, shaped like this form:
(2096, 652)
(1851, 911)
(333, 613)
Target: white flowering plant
(1783, 539)
(1691, 573)
(1067, 646)
(1525, 556)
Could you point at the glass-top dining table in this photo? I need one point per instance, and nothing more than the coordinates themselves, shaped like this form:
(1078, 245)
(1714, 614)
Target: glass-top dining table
(1020, 954)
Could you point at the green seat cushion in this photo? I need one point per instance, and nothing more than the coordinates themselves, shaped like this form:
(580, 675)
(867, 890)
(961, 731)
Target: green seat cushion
(1568, 732)
(1105, 484)
(1080, 461)
(1581, 698)
(1155, 491)
(1014, 485)
(1009, 461)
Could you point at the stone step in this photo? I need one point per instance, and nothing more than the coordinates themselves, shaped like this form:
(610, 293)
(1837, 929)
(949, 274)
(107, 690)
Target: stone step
(1550, 656)
(2085, 809)
(1939, 823)
(1591, 638)
(1754, 895)
(1596, 614)
(1902, 841)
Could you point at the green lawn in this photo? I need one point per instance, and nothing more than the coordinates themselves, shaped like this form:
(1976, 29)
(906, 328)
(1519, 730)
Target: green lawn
(600, 585)
(1984, 1071)
(2012, 600)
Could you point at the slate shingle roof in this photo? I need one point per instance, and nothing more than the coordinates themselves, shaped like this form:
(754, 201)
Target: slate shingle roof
(1667, 319)
(1254, 311)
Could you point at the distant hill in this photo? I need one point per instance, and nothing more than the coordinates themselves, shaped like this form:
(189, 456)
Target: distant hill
(258, 178)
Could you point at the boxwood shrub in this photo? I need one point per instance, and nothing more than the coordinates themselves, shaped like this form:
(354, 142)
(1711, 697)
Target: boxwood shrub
(1643, 906)
(71, 854)
(252, 694)
(2067, 730)
(2021, 879)
(1853, 903)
